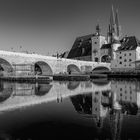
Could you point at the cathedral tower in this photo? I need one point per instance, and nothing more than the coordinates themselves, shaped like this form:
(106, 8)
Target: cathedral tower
(114, 32)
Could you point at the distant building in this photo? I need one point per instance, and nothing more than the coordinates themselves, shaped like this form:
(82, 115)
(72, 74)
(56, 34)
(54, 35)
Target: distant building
(65, 54)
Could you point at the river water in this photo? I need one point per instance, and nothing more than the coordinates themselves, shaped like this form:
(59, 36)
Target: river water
(97, 109)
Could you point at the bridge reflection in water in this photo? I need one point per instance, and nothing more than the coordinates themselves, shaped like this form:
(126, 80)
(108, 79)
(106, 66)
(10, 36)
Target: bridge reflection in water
(16, 95)
(112, 107)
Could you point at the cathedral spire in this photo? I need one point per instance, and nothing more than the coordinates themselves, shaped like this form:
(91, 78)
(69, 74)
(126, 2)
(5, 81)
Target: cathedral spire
(109, 34)
(117, 24)
(112, 20)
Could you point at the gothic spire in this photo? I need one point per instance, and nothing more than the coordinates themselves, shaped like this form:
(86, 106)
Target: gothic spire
(112, 20)
(117, 24)
(109, 34)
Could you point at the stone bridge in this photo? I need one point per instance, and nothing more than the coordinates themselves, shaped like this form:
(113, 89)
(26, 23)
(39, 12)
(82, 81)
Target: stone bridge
(28, 64)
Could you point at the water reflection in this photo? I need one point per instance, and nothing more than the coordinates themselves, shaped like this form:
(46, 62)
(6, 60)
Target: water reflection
(112, 107)
(73, 85)
(5, 91)
(42, 89)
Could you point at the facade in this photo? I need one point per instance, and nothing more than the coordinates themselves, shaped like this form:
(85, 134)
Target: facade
(127, 55)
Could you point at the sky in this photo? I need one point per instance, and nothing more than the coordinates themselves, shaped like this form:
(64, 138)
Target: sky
(50, 26)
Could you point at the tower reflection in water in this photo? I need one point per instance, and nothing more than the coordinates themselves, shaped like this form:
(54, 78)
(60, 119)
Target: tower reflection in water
(110, 106)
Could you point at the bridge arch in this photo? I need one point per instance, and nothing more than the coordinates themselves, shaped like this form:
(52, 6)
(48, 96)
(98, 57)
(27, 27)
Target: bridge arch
(101, 69)
(5, 66)
(73, 69)
(42, 68)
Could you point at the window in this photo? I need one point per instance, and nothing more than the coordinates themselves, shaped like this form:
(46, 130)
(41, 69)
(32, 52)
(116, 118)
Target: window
(125, 54)
(125, 60)
(129, 54)
(96, 92)
(95, 42)
(96, 59)
(120, 57)
(120, 62)
(130, 60)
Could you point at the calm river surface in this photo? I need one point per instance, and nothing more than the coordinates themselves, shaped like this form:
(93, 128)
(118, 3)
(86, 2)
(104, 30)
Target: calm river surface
(70, 110)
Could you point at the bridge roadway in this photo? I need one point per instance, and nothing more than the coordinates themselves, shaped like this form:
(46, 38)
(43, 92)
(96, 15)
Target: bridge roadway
(20, 62)
(16, 95)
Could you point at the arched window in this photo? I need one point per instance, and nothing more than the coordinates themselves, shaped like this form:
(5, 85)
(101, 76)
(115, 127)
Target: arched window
(96, 59)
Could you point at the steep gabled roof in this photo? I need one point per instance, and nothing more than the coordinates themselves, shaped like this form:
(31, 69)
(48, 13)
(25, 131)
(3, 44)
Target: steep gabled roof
(129, 43)
(106, 46)
(82, 39)
(80, 44)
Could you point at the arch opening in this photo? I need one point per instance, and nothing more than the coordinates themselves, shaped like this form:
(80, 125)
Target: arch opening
(42, 68)
(106, 58)
(5, 67)
(73, 69)
(101, 69)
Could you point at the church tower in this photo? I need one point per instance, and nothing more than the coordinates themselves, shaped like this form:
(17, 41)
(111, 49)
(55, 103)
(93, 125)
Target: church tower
(114, 32)
(118, 27)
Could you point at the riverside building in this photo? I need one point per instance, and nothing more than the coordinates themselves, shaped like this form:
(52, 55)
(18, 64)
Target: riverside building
(127, 56)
